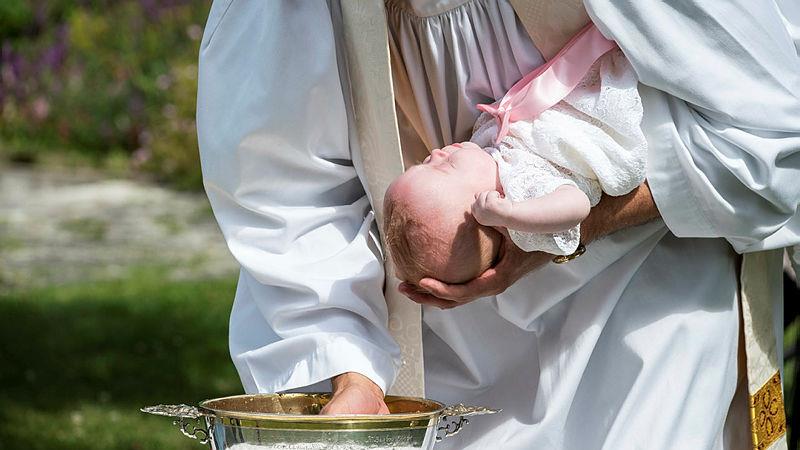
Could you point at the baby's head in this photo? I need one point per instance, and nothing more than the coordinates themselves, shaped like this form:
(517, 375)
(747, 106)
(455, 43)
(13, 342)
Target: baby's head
(429, 229)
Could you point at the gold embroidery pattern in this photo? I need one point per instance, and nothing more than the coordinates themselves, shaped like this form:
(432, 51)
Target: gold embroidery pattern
(767, 416)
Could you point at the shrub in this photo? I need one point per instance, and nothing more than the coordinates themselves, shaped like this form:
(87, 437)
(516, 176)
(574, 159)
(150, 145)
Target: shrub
(100, 78)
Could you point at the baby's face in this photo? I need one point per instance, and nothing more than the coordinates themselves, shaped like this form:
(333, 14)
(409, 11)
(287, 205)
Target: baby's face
(440, 192)
(445, 183)
(464, 168)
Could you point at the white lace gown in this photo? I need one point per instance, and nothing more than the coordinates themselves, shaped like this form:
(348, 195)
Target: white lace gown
(592, 140)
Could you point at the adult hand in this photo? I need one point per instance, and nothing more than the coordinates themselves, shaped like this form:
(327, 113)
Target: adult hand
(512, 265)
(610, 215)
(354, 393)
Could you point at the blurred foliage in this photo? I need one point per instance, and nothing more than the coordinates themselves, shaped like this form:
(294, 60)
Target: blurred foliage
(110, 348)
(102, 78)
(15, 15)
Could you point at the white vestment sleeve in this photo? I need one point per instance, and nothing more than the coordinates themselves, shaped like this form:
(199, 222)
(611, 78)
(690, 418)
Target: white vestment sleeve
(277, 169)
(721, 114)
(790, 9)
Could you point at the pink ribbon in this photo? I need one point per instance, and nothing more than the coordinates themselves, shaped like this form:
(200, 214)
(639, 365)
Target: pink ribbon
(550, 82)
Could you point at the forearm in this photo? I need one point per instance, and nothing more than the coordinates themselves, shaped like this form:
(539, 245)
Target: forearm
(613, 214)
(560, 210)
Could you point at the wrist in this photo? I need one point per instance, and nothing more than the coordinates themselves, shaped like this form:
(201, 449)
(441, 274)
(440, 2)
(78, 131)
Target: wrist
(616, 213)
(347, 379)
(588, 230)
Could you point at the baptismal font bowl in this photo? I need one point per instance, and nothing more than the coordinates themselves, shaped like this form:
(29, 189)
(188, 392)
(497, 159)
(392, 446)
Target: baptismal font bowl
(293, 422)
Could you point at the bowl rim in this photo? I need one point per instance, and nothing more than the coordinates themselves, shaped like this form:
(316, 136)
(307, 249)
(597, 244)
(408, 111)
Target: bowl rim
(436, 408)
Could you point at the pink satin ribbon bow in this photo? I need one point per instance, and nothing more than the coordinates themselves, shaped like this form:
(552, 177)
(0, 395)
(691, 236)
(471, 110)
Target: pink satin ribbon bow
(550, 82)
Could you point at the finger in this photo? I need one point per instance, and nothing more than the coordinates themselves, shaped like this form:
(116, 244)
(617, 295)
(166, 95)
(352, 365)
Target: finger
(477, 203)
(487, 284)
(415, 293)
(428, 299)
(455, 292)
(408, 289)
(483, 197)
(333, 407)
(441, 290)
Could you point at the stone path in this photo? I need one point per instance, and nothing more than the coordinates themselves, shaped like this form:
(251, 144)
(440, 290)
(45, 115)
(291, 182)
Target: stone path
(62, 226)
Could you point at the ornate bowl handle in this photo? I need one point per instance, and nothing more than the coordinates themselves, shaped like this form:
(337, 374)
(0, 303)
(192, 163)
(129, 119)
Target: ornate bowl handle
(458, 414)
(189, 419)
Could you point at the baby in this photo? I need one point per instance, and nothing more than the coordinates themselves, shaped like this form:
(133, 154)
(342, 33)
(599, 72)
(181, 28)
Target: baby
(537, 161)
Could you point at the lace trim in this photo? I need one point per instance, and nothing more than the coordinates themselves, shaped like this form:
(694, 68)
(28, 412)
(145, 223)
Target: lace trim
(592, 140)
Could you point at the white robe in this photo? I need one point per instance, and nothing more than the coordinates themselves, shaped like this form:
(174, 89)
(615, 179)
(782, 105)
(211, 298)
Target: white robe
(634, 344)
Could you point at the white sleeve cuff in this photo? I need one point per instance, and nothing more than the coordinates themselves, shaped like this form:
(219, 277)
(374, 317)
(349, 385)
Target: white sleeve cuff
(315, 358)
(682, 211)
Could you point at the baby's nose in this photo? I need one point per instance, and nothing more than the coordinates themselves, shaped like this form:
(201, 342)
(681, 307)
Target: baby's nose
(438, 153)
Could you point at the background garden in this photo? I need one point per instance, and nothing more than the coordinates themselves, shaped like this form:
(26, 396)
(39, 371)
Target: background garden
(115, 284)
(106, 82)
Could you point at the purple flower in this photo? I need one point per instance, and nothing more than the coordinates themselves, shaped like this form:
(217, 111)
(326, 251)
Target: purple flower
(40, 108)
(151, 9)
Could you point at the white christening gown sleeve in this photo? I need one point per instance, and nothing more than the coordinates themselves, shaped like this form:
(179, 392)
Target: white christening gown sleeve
(722, 114)
(592, 139)
(277, 169)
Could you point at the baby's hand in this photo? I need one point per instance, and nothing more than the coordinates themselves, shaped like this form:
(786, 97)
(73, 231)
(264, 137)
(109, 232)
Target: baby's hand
(492, 209)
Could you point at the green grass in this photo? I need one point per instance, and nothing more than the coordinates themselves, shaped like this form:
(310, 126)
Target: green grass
(86, 229)
(78, 361)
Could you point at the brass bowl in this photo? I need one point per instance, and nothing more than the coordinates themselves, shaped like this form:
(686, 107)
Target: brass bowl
(292, 421)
